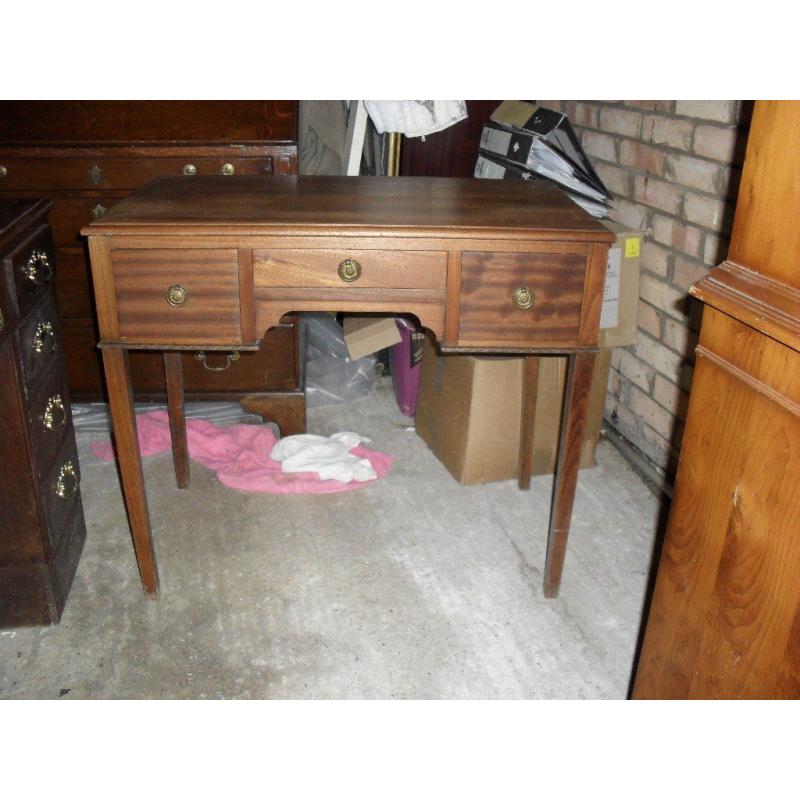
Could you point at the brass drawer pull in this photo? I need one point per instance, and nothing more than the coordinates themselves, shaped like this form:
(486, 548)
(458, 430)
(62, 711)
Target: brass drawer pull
(227, 169)
(37, 261)
(3, 171)
(189, 169)
(55, 415)
(68, 481)
(349, 270)
(523, 297)
(44, 340)
(98, 211)
(229, 359)
(177, 295)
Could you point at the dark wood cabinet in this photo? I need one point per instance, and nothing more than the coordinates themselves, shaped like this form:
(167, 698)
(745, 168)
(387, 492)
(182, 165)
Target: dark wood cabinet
(88, 155)
(42, 528)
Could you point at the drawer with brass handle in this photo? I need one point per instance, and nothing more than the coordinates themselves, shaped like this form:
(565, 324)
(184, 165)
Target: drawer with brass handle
(50, 420)
(519, 298)
(61, 489)
(177, 296)
(39, 337)
(32, 267)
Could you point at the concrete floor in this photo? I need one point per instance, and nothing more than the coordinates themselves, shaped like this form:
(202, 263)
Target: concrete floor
(412, 587)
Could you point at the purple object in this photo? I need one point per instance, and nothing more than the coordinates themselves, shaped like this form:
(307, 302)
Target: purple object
(406, 367)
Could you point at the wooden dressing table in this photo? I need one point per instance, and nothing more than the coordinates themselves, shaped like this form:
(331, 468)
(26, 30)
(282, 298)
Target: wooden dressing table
(209, 263)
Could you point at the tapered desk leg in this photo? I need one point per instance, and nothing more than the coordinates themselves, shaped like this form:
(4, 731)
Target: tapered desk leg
(573, 424)
(173, 372)
(527, 422)
(123, 417)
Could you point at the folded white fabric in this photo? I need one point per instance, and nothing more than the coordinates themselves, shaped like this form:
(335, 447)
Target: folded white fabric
(329, 457)
(415, 117)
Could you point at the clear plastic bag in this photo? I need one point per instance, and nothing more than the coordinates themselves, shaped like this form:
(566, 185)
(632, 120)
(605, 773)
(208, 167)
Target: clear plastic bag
(332, 377)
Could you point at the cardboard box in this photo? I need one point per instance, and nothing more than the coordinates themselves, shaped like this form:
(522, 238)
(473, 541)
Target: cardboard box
(468, 412)
(620, 311)
(366, 334)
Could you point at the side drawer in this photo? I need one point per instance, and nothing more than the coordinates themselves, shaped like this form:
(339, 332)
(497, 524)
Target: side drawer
(61, 490)
(40, 343)
(178, 296)
(521, 299)
(50, 420)
(336, 269)
(33, 268)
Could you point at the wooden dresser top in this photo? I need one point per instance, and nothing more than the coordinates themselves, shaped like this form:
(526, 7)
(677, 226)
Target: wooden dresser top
(351, 205)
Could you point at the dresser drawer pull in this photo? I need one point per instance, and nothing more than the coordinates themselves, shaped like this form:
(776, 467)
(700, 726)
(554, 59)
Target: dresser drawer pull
(68, 481)
(227, 169)
(44, 340)
(96, 175)
(2, 320)
(189, 169)
(229, 359)
(55, 415)
(349, 270)
(3, 172)
(98, 211)
(523, 297)
(177, 295)
(38, 262)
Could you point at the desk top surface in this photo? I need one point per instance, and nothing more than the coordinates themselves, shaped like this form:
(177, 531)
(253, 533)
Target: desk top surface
(324, 205)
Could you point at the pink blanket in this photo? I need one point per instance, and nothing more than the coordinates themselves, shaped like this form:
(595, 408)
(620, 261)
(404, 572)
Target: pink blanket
(240, 455)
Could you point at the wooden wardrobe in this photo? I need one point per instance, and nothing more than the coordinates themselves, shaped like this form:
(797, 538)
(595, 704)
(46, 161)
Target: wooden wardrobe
(725, 615)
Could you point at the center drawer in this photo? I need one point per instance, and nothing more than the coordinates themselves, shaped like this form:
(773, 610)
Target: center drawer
(178, 296)
(337, 269)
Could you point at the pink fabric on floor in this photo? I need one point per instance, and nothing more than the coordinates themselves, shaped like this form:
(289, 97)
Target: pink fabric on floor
(240, 455)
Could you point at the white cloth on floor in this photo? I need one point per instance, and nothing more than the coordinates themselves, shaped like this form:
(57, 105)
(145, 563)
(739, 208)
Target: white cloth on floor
(415, 117)
(329, 457)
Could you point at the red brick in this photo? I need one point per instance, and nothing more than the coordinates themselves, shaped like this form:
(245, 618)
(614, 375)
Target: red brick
(670, 396)
(694, 173)
(651, 105)
(555, 105)
(656, 447)
(668, 131)
(678, 337)
(599, 145)
(617, 181)
(656, 259)
(629, 214)
(715, 250)
(663, 296)
(642, 157)
(582, 114)
(620, 121)
(717, 143)
(716, 110)
(634, 370)
(657, 194)
(686, 272)
(658, 356)
(708, 212)
(651, 413)
(649, 320)
(675, 234)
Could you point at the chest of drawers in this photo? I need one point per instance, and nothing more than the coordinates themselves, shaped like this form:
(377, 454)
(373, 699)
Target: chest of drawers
(88, 155)
(42, 528)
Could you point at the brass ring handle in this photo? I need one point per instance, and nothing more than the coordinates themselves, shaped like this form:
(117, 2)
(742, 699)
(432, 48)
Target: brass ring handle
(177, 295)
(349, 270)
(55, 405)
(44, 340)
(229, 359)
(38, 260)
(3, 171)
(189, 169)
(67, 472)
(523, 297)
(227, 169)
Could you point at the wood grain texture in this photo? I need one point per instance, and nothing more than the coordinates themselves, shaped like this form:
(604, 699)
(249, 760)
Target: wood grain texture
(488, 314)
(123, 418)
(592, 303)
(371, 206)
(177, 420)
(527, 423)
(724, 617)
(211, 312)
(580, 369)
(766, 236)
(453, 298)
(380, 269)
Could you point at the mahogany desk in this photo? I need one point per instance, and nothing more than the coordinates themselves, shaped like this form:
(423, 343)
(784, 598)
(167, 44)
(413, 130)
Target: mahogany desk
(207, 263)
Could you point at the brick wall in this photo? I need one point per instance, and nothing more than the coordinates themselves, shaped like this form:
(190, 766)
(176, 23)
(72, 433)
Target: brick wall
(673, 167)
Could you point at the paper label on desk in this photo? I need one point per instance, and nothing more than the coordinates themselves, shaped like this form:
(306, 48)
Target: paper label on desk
(609, 315)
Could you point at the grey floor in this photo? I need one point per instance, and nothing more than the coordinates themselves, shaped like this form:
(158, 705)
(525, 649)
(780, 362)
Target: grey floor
(412, 587)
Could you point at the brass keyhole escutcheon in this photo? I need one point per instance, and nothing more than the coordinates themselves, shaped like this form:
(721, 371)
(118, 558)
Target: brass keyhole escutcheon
(523, 297)
(68, 481)
(55, 415)
(349, 270)
(177, 295)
